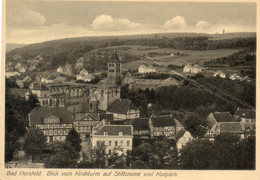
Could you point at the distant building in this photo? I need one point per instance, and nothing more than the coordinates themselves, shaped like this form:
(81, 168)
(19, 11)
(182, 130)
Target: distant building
(143, 69)
(22, 70)
(227, 127)
(19, 83)
(123, 109)
(217, 117)
(245, 115)
(113, 137)
(42, 93)
(11, 74)
(60, 79)
(85, 76)
(27, 79)
(19, 92)
(235, 76)
(55, 122)
(18, 66)
(140, 126)
(59, 70)
(162, 126)
(220, 74)
(195, 69)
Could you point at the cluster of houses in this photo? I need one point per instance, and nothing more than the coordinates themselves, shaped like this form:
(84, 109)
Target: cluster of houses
(96, 111)
(233, 76)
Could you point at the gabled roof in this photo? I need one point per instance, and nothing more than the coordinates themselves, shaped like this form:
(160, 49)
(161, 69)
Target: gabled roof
(121, 106)
(113, 130)
(81, 116)
(245, 113)
(200, 131)
(37, 114)
(162, 121)
(138, 123)
(223, 117)
(41, 87)
(115, 57)
(230, 127)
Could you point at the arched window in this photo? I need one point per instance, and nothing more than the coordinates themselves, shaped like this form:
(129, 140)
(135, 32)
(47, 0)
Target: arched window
(102, 93)
(105, 133)
(90, 105)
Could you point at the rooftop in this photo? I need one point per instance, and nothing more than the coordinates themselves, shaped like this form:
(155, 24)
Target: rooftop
(245, 113)
(113, 130)
(139, 123)
(37, 114)
(121, 106)
(163, 121)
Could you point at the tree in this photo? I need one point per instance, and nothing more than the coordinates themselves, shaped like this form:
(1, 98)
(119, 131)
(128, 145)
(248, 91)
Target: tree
(196, 154)
(73, 138)
(33, 101)
(62, 155)
(34, 142)
(98, 155)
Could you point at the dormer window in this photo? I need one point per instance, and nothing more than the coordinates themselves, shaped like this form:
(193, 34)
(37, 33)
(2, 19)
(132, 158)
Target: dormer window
(105, 133)
(120, 133)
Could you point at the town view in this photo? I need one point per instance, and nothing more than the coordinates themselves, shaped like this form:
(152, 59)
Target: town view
(126, 87)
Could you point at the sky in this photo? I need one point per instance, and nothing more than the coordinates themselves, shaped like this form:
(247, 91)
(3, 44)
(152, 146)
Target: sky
(37, 21)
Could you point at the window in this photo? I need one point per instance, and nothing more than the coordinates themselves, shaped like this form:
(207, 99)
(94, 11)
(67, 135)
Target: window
(109, 151)
(122, 143)
(112, 92)
(105, 133)
(120, 133)
(116, 92)
(102, 93)
(109, 143)
(116, 143)
(128, 143)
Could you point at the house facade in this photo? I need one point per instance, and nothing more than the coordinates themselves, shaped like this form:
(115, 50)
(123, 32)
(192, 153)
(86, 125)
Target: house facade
(143, 69)
(187, 137)
(84, 123)
(162, 126)
(113, 137)
(54, 122)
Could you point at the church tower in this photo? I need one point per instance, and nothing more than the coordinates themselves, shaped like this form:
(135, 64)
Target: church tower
(114, 69)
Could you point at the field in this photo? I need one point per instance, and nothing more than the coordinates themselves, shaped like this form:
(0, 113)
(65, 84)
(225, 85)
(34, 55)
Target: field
(168, 56)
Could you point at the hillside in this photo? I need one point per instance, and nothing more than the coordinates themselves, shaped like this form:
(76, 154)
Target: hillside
(12, 46)
(96, 50)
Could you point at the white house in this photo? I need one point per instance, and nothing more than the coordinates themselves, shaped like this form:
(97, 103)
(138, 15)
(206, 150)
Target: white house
(143, 69)
(235, 76)
(113, 137)
(220, 74)
(184, 140)
(59, 70)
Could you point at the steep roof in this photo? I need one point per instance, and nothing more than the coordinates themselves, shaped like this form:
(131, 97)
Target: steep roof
(115, 57)
(200, 131)
(230, 127)
(223, 117)
(138, 123)
(163, 121)
(170, 81)
(113, 130)
(245, 113)
(37, 114)
(121, 106)
(81, 116)
(41, 87)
